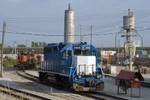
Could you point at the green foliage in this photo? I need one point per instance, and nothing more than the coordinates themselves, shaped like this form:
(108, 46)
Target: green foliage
(21, 45)
(38, 44)
(10, 50)
(9, 62)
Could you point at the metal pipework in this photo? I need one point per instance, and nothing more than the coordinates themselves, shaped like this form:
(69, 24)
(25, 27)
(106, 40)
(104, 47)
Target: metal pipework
(117, 35)
(139, 36)
(69, 26)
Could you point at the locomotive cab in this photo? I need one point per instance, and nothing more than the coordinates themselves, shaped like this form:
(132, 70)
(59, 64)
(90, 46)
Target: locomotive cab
(86, 75)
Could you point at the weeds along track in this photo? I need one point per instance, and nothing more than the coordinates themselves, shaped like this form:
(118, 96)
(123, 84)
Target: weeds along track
(20, 94)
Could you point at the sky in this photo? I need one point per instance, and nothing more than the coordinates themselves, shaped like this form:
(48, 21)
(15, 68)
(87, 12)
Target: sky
(34, 20)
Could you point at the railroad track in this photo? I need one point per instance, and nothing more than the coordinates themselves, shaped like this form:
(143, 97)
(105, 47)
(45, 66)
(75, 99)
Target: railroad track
(93, 95)
(60, 95)
(143, 84)
(20, 94)
(28, 76)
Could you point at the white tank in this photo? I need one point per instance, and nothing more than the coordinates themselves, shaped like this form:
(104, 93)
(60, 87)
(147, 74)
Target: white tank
(128, 21)
(69, 26)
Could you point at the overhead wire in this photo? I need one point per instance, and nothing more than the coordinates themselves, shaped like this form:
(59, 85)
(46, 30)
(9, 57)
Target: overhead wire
(52, 35)
(82, 18)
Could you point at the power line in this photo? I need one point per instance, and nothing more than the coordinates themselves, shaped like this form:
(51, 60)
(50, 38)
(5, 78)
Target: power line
(60, 35)
(23, 33)
(32, 34)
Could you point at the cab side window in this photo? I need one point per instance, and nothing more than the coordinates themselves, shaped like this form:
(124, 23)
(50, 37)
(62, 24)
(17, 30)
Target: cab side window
(64, 54)
(69, 52)
(94, 53)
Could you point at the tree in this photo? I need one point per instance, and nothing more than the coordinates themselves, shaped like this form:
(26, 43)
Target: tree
(21, 45)
(40, 44)
(44, 44)
(32, 45)
(36, 44)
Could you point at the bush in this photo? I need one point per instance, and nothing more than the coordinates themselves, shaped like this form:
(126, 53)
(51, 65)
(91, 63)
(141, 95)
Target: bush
(9, 62)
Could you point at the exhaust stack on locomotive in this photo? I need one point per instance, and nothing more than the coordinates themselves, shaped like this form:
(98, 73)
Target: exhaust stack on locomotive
(69, 26)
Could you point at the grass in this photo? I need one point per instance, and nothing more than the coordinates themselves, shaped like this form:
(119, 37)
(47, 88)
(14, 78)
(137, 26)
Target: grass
(9, 62)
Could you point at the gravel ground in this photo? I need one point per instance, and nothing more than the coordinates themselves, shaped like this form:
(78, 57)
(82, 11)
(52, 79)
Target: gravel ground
(144, 94)
(11, 79)
(6, 97)
(111, 88)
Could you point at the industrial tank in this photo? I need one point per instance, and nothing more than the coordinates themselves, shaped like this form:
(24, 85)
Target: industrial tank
(69, 26)
(129, 22)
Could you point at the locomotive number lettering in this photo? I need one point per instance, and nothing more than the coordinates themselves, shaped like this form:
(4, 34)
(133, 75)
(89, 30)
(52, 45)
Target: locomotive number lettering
(76, 47)
(88, 48)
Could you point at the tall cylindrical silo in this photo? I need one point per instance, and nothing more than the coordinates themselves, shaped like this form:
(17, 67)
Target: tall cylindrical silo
(69, 26)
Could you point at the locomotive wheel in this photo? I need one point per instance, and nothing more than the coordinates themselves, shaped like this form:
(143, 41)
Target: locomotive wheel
(44, 78)
(41, 77)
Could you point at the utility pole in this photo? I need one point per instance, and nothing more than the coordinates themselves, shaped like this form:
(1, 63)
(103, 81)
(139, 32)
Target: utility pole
(129, 42)
(130, 39)
(129, 26)
(80, 33)
(27, 45)
(91, 35)
(118, 49)
(15, 46)
(1, 72)
(131, 50)
(102, 53)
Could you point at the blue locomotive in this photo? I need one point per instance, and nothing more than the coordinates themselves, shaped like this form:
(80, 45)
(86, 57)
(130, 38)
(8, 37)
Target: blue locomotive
(72, 65)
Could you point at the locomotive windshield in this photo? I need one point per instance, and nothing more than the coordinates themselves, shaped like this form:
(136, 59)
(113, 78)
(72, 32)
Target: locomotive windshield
(86, 52)
(77, 52)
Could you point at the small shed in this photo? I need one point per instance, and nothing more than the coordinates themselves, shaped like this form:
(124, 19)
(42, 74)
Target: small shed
(128, 79)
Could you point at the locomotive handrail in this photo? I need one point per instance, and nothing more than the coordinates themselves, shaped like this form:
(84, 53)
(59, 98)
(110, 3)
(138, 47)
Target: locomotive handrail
(85, 66)
(74, 71)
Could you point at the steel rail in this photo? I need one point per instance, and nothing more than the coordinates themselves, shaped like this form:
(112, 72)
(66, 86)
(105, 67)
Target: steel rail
(27, 77)
(22, 92)
(94, 95)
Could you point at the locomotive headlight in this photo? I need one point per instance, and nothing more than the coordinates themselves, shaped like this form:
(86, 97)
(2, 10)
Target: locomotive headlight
(137, 55)
(98, 76)
(79, 76)
(149, 56)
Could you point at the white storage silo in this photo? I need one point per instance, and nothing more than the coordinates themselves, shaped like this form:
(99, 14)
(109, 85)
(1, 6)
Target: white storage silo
(69, 25)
